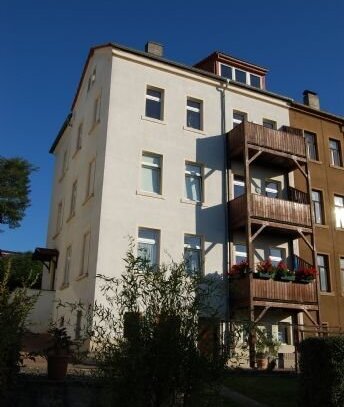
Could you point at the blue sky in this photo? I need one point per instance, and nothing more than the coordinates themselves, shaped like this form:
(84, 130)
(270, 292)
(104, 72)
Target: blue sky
(44, 45)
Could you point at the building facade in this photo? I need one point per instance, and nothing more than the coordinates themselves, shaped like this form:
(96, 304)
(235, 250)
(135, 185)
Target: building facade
(198, 162)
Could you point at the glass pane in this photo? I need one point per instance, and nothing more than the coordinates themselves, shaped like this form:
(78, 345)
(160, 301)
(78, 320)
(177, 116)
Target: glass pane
(150, 180)
(316, 196)
(339, 201)
(153, 109)
(317, 213)
(271, 189)
(151, 160)
(323, 279)
(147, 244)
(154, 94)
(320, 260)
(255, 81)
(194, 105)
(193, 119)
(192, 260)
(193, 169)
(238, 118)
(226, 71)
(192, 241)
(240, 76)
(193, 188)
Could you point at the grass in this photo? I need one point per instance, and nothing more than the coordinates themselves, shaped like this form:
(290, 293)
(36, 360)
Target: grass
(272, 390)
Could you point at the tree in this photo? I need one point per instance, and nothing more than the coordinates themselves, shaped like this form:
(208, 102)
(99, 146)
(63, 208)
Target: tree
(14, 190)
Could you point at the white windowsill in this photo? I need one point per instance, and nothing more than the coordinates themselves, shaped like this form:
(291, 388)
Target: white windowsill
(87, 199)
(336, 167)
(64, 286)
(192, 130)
(195, 203)
(330, 294)
(149, 194)
(151, 119)
(81, 277)
(94, 125)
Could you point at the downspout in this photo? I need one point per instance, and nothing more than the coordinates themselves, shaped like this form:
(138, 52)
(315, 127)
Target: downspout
(225, 198)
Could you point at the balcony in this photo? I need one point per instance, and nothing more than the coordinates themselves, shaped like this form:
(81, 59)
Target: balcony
(283, 143)
(272, 292)
(271, 210)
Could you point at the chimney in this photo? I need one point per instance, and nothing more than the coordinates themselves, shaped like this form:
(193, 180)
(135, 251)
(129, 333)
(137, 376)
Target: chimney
(311, 99)
(154, 48)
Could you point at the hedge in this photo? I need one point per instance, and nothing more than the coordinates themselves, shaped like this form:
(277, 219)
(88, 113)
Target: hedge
(322, 372)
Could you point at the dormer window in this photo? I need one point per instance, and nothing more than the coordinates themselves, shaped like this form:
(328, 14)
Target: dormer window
(241, 76)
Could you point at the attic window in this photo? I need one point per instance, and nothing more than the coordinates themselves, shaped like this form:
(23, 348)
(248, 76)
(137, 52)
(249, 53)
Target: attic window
(241, 76)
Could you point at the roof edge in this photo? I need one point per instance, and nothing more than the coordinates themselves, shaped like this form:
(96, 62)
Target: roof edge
(60, 133)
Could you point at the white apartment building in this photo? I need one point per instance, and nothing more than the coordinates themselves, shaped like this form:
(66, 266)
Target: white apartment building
(143, 153)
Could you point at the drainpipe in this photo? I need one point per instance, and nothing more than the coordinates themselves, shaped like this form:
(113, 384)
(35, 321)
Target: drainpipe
(225, 198)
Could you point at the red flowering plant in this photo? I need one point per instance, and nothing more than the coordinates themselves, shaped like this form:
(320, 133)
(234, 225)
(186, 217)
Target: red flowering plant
(240, 269)
(265, 267)
(282, 271)
(306, 273)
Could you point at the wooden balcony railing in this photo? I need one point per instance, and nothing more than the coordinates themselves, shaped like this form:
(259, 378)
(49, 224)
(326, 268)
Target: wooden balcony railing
(261, 136)
(279, 210)
(295, 195)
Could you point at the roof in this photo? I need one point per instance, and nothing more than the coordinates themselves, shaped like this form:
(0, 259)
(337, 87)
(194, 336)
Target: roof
(182, 66)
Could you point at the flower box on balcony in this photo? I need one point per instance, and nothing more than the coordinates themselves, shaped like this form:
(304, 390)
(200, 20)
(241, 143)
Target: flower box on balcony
(239, 270)
(305, 275)
(283, 273)
(287, 278)
(265, 270)
(264, 276)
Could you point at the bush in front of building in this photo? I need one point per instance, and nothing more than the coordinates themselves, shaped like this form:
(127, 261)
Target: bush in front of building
(322, 372)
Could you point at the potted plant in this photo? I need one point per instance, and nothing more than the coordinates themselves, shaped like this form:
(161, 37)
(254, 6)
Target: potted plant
(240, 269)
(265, 269)
(266, 349)
(58, 352)
(305, 274)
(283, 273)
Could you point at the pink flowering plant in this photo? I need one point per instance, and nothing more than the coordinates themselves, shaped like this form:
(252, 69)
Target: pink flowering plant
(266, 267)
(240, 269)
(283, 271)
(306, 273)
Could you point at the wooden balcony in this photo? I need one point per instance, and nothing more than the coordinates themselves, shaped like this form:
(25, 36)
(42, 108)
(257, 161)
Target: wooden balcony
(272, 210)
(273, 293)
(270, 141)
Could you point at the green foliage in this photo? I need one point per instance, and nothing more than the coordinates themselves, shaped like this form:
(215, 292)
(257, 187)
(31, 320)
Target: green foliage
(23, 270)
(322, 372)
(14, 190)
(14, 309)
(145, 335)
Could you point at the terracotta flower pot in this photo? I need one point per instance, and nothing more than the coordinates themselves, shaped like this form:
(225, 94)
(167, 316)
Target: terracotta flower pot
(262, 362)
(57, 366)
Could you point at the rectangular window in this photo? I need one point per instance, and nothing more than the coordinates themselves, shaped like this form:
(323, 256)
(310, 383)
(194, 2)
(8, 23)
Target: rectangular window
(194, 114)
(311, 145)
(269, 124)
(238, 117)
(78, 325)
(239, 185)
(91, 80)
(276, 254)
(255, 81)
(318, 210)
(193, 253)
(322, 261)
(79, 138)
(64, 167)
(284, 333)
(73, 199)
(193, 182)
(66, 272)
(59, 218)
(154, 102)
(339, 211)
(240, 76)
(151, 173)
(85, 254)
(240, 253)
(96, 112)
(335, 153)
(341, 265)
(148, 245)
(226, 71)
(90, 178)
(272, 188)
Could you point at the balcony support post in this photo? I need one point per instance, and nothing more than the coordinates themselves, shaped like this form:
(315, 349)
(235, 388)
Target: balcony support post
(258, 153)
(310, 245)
(305, 173)
(260, 316)
(262, 227)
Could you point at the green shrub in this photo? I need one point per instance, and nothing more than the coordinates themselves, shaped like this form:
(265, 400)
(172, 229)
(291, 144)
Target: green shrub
(322, 372)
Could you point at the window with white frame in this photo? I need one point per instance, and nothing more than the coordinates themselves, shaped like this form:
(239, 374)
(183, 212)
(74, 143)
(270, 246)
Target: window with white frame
(193, 182)
(269, 124)
(73, 199)
(276, 254)
(339, 211)
(148, 245)
(194, 114)
(318, 209)
(90, 178)
(238, 185)
(59, 217)
(240, 253)
(311, 145)
(193, 253)
(323, 266)
(96, 111)
(255, 81)
(79, 138)
(154, 103)
(85, 253)
(238, 75)
(66, 272)
(151, 173)
(335, 153)
(238, 117)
